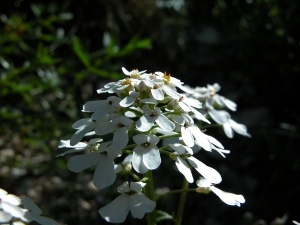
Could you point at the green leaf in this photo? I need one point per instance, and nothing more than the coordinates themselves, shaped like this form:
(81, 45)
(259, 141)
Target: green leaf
(161, 215)
(80, 52)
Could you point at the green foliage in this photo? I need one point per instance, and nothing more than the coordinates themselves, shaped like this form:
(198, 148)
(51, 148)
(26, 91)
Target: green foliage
(44, 73)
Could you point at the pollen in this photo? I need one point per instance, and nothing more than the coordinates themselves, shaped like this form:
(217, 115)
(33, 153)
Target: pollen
(167, 77)
(126, 81)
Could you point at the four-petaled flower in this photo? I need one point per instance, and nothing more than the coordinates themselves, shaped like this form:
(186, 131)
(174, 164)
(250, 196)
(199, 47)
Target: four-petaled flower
(131, 199)
(150, 116)
(146, 155)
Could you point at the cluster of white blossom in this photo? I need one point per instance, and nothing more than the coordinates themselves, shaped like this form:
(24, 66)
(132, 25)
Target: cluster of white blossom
(17, 212)
(143, 110)
(213, 104)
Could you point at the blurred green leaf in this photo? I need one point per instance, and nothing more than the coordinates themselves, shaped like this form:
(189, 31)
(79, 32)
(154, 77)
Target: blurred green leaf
(80, 52)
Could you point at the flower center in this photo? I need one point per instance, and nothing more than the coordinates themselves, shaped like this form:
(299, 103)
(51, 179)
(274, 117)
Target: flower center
(120, 125)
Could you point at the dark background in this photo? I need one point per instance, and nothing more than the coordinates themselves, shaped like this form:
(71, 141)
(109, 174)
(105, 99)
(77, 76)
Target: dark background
(53, 60)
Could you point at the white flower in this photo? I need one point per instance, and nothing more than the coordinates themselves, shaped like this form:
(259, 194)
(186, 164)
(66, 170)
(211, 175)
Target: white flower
(146, 155)
(228, 198)
(134, 73)
(104, 174)
(138, 204)
(81, 146)
(9, 207)
(34, 213)
(120, 125)
(239, 128)
(295, 222)
(187, 105)
(102, 107)
(146, 122)
(185, 152)
(172, 81)
(190, 132)
(223, 118)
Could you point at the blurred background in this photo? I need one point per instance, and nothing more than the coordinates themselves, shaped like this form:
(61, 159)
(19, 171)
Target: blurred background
(54, 55)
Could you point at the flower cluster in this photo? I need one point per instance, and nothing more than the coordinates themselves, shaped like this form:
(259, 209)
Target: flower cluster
(213, 104)
(142, 110)
(17, 212)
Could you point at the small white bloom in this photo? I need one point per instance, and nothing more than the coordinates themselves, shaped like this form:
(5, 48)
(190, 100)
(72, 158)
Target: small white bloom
(187, 105)
(150, 116)
(102, 107)
(172, 81)
(190, 132)
(138, 204)
(81, 146)
(134, 73)
(104, 174)
(183, 151)
(223, 118)
(295, 222)
(120, 125)
(146, 155)
(226, 197)
(33, 213)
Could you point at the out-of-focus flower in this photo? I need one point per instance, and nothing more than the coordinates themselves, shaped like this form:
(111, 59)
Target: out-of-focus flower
(9, 207)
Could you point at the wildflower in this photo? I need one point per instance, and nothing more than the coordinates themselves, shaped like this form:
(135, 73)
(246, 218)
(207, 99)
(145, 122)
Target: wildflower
(146, 122)
(146, 155)
(184, 155)
(228, 198)
(131, 199)
(120, 125)
(81, 146)
(102, 107)
(104, 174)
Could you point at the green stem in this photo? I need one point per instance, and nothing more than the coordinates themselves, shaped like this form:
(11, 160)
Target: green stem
(174, 192)
(149, 192)
(180, 209)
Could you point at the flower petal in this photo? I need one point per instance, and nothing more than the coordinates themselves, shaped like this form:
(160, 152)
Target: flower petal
(13, 210)
(104, 128)
(32, 207)
(145, 123)
(207, 172)
(151, 157)
(117, 210)
(137, 160)
(120, 139)
(137, 186)
(157, 94)
(187, 137)
(45, 221)
(79, 163)
(104, 175)
(228, 198)
(164, 123)
(184, 168)
(140, 204)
